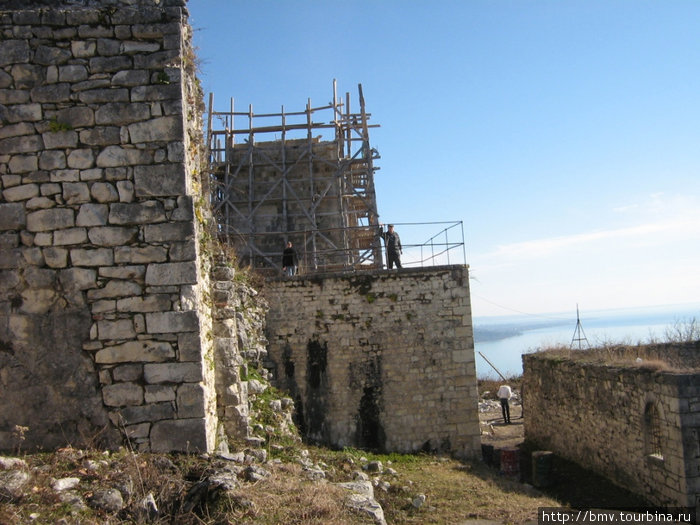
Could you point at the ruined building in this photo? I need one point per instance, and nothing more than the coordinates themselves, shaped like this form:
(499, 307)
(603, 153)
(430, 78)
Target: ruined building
(114, 322)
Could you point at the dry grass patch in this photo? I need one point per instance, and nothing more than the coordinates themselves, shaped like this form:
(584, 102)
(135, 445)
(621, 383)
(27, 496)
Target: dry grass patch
(285, 497)
(456, 492)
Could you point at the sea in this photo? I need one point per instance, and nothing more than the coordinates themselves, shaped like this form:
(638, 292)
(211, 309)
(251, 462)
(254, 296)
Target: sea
(500, 342)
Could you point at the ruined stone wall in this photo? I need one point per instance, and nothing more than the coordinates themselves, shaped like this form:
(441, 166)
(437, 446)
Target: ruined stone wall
(102, 283)
(381, 360)
(636, 426)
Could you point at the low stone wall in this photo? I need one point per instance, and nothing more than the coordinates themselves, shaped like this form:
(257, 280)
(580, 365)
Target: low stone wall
(381, 360)
(103, 317)
(635, 425)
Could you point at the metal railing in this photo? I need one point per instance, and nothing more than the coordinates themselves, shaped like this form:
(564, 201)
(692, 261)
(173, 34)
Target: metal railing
(350, 249)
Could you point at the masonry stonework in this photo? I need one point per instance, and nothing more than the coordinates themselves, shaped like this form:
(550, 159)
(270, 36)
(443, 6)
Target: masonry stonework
(381, 360)
(637, 426)
(102, 328)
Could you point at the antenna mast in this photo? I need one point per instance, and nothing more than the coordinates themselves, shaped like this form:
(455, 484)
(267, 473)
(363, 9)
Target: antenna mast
(579, 334)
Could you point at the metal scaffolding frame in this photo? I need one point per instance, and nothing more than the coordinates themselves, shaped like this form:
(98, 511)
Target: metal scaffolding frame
(312, 184)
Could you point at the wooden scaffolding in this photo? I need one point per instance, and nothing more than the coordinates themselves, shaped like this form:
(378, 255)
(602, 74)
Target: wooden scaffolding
(300, 179)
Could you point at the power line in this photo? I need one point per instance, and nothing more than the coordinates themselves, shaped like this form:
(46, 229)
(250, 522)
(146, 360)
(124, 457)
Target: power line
(521, 312)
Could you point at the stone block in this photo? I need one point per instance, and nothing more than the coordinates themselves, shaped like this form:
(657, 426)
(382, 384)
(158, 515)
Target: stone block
(104, 192)
(76, 117)
(103, 96)
(131, 78)
(126, 190)
(100, 136)
(60, 139)
(147, 303)
(190, 400)
(14, 145)
(159, 393)
(171, 273)
(53, 219)
(52, 160)
(172, 372)
(55, 257)
(22, 113)
(92, 214)
(136, 352)
(117, 156)
(122, 394)
(112, 235)
(118, 329)
(77, 278)
(92, 257)
(65, 176)
(23, 163)
(183, 251)
(15, 130)
(91, 174)
(179, 435)
(12, 216)
(38, 301)
(143, 413)
(40, 203)
(120, 114)
(51, 94)
(161, 129)
(21, 192)
(83, 49)
(81, 159)
(160, 180)
(14, 52)
(130, 372)
(123, 272)
(178, 231)
(39, 277)
(136, 213)
(76, 192)
(172, 322)
(70, 236)
(189, 347)
(140, 255)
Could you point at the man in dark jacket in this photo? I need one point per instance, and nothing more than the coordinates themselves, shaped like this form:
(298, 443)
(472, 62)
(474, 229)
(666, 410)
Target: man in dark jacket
(289, 260)
(393, 246)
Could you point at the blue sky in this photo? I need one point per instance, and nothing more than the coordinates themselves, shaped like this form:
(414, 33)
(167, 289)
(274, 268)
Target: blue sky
(564, 134)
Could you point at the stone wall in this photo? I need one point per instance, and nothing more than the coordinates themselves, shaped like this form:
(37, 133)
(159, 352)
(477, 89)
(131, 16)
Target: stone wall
(382, 360)
(638, 426)
(103, 324)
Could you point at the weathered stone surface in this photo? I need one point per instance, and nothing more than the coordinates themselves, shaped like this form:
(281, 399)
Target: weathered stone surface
(160, 180)
(171, 273)
(122, 394)
(151, 412)
(136, 352)
(29, 144)
(184, 435)
(112, 235)
(148, 303)
(160, 129)
(77, 278)
(172, 322)
(92, 215)
(114, 289)
(104, 192)
(116, 156)
(16, 130)
(76, 117)
(52, 160)
(12, 216)
(136, 213)
(191, 401)
(120, 114)
(23, 163)
(140, 255)
(118, 329)
(60, 139)
(53, 219)
(20, 193)
(55, 257)
(172, 372)
(14, 52)
(69, 236)
(168, 232)
(123, 272)
(22, 113)
(91, 257)
(76, 192)
(100, 136)
(81, 159)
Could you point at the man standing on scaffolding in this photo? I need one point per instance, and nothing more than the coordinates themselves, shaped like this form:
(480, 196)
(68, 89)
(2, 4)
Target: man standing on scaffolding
(393, 246)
